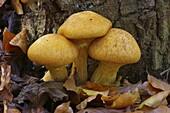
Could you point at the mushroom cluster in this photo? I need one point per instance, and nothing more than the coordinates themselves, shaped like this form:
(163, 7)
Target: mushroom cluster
(82, 28)
(85, 34)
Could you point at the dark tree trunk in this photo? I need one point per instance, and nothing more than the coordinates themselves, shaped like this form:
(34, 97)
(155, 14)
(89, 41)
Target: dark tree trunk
(147, 20)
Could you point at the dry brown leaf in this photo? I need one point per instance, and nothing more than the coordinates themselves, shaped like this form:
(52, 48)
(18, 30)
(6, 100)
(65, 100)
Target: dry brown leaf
(13, 110)
(17, 6)
(64, 108)
(5, 93)
(105, 110)
(70, 85)
(7, 37)
(135, 112)
(155, 100)
(33, 109)
(125, 100)
(151, 90)
(132, 87)
(5, 77)
(84, 103)
(8, 109)
(94, 86)
(160, 109)
(93, 92)
(158, 83)
(96, 95)
(20, 40)
(2, 2)
(5, 106)
(38, 94)
(109, 99)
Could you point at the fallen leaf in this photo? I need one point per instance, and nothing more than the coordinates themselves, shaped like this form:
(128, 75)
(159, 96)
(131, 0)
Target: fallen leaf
(91, 96)
(94, 86)
(5, 106)
(135, 112)
(20, 40)
(84, 103)
(70, 83)
(93, 92)
(158, 83)
(101, 110)
(5, 93)
(130, 87)
(17, 6)
(8, 109)
(13, 110)
(5, 77)
(10, 17)
(7, 37)
(151, 90)
(97, 87)
(47, 77)
(2, 2)
(160, 109)
(155, 100)
(33, 109)
(71, 87)
(38, 94)
(126, 99)
(64, 108)
(108, 100)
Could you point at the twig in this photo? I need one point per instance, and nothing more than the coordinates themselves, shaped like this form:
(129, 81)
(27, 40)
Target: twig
(166, 71)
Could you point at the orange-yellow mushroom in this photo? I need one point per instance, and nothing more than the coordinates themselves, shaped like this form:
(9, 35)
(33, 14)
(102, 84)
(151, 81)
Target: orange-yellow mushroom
(116, 48)
(53, 51)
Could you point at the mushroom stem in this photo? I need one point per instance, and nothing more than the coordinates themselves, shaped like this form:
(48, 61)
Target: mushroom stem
(57, 73)
(81, 61)
(106, 73)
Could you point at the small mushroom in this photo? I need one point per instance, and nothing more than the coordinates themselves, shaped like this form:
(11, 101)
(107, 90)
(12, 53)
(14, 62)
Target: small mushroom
(116, 48)
(82, 28)
(54, 52)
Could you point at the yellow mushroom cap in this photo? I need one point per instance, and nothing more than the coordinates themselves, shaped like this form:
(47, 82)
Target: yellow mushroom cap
(52, 50)
(85, 24)
(116, 46)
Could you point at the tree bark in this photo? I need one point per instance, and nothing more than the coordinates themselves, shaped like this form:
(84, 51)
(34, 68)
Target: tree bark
(147, 20)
